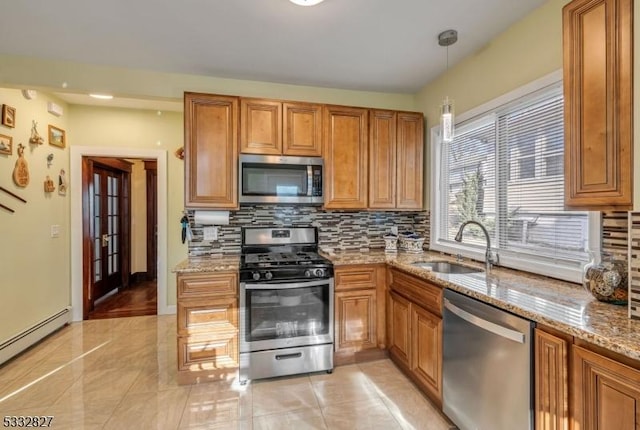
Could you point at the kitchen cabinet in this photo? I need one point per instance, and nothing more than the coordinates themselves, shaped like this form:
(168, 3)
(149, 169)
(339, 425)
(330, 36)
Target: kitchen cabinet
(345, 149)
(551, 390)
(273, 127)
(606, 392)
(359, 313)
(211, 151)
(415, 330)
(207, 312)
(598, 97)
(396, 142)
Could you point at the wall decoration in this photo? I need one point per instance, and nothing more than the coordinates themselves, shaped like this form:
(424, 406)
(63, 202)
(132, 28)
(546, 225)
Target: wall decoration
(35, 138)
(49, 160)
(8, 116)
(62, 183)
(57, 137)
(49, 186)
(180, 153)
(21, 171)
(6, 144)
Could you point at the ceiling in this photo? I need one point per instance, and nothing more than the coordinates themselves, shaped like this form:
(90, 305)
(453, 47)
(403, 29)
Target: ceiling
(368, 45)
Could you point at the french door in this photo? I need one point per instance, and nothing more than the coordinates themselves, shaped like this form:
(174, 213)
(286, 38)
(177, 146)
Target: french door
(106, 227)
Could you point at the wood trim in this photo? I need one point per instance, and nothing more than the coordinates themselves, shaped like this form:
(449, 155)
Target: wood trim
(113, 163)
(87, 244)
(152, 218)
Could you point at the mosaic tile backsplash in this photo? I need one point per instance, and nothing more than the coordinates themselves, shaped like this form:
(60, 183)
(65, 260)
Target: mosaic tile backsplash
(634, 263)
(340, 230)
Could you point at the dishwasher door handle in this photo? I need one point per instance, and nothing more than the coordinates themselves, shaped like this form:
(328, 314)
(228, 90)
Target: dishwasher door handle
(494, 328)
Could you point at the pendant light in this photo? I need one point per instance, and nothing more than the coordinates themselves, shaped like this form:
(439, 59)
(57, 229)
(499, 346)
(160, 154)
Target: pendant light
(447, 38)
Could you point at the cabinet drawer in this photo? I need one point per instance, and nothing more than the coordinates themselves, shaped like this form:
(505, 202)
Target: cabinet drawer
(355, 277)
(211, 316)
(416, 290)
(202, 352)
(196, 285)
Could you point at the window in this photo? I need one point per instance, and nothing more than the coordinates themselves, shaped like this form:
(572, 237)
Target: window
(504, 169)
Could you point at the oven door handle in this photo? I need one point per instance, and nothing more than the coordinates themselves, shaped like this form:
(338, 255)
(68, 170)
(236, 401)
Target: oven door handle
(285, 286)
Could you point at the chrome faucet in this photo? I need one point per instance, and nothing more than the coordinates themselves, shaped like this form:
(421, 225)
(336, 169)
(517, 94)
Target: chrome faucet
(489, 257)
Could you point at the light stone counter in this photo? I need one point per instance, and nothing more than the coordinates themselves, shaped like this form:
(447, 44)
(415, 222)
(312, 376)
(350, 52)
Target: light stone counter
(208, 264)
(562, 305)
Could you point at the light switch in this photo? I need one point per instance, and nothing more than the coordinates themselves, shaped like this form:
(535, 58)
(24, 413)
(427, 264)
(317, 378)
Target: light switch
(55, 230)
(210, 233)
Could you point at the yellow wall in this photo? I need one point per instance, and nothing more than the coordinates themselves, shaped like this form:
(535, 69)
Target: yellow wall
(528, 50)
(34, 267)
(138, 217)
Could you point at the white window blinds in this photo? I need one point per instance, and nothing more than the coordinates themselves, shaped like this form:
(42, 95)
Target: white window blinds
(505, 169)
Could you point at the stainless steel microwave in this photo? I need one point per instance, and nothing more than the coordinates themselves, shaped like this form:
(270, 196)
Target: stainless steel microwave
(280, 179)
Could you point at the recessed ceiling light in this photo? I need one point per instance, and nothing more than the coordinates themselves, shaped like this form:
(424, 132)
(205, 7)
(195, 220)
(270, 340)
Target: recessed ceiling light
(101, 96)
(306, 2)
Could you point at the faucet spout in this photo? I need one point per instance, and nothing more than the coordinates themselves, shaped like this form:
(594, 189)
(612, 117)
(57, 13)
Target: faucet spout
(488, 256)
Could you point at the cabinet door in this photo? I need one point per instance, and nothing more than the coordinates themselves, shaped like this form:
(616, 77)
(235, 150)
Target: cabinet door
(355, 320)
(410, 143)
(598, 97)
(211, 151)
(426, 350)
(551, 355)
(382, 160)
(302, 125)
(606, 394)
(260, 126)
(345, 156)
(399, 323)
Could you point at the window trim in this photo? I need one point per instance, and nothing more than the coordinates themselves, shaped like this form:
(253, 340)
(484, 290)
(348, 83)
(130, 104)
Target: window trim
(510, 259)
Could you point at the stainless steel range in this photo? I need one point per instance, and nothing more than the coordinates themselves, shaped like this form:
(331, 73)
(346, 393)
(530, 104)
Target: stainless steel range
(286, 303)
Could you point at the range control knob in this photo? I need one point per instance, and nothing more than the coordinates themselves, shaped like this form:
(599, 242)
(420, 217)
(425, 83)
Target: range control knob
(255, 276)
(319, 272)
(307, 273)
(268, 275)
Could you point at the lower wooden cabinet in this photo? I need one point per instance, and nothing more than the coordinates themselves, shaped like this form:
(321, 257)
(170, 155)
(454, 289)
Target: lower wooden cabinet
(415, 330)
(551, 362)
(207, 326)
(359, 313)
(606, 393)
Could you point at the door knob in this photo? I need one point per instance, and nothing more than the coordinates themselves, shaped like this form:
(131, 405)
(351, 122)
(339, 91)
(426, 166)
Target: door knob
(105, 240)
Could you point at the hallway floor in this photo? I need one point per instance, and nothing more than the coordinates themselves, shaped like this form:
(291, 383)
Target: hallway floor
(136, 300)
(121, 374)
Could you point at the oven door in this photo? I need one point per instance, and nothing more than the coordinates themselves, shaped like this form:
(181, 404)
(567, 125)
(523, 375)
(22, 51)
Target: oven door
(281, 315)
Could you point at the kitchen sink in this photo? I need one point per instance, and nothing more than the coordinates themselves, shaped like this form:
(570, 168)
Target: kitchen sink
(445, 267)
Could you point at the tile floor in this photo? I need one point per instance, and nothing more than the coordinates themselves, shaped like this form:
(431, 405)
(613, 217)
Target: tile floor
(120, 374)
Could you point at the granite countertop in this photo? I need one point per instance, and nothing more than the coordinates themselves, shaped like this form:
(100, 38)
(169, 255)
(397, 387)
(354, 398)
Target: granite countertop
(209, 264)
(562, 305)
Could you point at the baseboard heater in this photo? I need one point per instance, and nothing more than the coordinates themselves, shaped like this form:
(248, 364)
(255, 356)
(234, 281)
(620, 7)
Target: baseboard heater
(23, 340)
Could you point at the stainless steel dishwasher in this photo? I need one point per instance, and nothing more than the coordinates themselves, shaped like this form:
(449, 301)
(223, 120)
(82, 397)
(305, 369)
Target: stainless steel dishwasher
(487, 367)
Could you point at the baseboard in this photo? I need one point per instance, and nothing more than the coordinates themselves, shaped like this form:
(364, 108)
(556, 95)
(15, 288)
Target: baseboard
(23, 340)
(138, 277)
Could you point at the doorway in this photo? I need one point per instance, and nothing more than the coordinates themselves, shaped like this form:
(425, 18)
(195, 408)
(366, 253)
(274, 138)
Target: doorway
(113, 284)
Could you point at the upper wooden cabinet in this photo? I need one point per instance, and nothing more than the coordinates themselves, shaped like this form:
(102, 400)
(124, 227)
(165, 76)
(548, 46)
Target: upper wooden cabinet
(345, 157)
(274, 127)
(396, 141)
(211, 151)
(598, 96)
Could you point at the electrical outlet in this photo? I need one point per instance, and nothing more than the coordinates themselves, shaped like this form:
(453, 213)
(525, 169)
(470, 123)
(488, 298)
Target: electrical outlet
(55, 230)
(394, 230)
(210, 233)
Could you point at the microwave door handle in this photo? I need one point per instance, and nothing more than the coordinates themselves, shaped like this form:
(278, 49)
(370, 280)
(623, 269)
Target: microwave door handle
(309, 180)
(286, 286)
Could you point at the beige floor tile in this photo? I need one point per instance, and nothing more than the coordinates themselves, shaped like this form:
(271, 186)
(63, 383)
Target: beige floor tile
(360, 415)
(283, 396)
(384, 376)
(332, 392)
(101, 384)
(71, 414)
(414, 411)
(160, 410)
(212, 404)
(307, 419)
(342, 374)
(36, 390)
(150, 381)
(230, 425)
